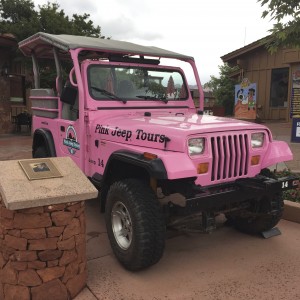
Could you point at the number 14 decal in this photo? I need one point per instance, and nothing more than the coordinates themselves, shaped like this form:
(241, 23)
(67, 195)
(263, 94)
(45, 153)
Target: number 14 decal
(100, 163)
(284, 184)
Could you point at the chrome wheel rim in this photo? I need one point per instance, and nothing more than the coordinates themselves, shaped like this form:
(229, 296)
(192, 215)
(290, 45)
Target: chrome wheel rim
(121, 225)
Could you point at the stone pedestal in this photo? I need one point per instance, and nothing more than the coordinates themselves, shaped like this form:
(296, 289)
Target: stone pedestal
(42, 252)
(43, 248)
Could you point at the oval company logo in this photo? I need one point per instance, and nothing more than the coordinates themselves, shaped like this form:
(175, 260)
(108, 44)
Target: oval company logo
(71, 140)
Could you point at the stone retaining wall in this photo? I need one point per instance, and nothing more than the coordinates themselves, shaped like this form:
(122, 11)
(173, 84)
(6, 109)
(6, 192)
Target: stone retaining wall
(42, 252)
(291, 211)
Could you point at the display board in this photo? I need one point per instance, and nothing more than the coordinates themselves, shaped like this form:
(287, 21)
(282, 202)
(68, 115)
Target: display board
(295, 95)
(245, 100)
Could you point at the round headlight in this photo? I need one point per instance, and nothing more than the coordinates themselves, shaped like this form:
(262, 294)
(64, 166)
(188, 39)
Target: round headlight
(196, 146)
(257, 139)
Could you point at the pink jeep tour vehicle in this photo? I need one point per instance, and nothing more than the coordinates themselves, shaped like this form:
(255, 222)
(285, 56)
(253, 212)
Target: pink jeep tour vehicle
(124, 113)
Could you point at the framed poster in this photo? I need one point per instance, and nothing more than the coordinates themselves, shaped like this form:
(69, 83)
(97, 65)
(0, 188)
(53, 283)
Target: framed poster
(41, 168)
(245, 100)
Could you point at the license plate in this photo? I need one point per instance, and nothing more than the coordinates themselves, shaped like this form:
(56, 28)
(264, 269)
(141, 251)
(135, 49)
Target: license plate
(289, 184)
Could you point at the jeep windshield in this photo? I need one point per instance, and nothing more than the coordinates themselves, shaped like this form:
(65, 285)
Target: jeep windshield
(133, 83)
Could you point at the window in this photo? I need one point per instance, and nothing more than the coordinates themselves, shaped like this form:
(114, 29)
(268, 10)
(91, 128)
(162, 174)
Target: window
(279, 87)
(17, 89)
(135, 83)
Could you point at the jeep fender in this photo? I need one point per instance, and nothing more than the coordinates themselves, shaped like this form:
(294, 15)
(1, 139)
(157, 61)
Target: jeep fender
(128, 159)
(43, 137)
(155, 167)
(123, 164)
(278, 151)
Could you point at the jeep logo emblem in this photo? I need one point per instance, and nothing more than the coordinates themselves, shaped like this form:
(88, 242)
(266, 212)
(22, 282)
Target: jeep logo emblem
(71, 140)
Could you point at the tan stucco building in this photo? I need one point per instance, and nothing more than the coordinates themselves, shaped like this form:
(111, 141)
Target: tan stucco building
(277, 78)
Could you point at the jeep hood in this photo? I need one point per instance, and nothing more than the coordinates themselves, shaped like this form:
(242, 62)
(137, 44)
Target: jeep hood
(164, 130)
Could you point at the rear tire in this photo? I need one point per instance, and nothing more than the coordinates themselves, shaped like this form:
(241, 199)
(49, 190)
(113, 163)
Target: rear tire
(135, 224)
(263, 216)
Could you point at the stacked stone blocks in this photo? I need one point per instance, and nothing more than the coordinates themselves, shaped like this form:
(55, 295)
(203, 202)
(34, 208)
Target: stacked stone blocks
(42, 252)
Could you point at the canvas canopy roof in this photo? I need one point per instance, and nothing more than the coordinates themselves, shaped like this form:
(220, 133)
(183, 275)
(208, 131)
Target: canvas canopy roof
(41, 43)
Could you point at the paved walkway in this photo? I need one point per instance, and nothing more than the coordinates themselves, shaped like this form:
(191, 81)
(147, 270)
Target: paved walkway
(14, 146)
(224, 265)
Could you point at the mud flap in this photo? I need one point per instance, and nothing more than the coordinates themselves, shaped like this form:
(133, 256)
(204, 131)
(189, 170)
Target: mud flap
(270, 233)
(208, 222)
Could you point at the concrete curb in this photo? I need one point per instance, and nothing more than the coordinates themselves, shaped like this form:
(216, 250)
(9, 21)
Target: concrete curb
(291, 211)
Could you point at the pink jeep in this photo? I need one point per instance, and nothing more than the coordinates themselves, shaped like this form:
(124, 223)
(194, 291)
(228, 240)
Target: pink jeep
(129, 122)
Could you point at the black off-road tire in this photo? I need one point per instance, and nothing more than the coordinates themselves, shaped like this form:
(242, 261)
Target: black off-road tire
(258, 220)
(102, 196)
(142, 241)
(40, 152)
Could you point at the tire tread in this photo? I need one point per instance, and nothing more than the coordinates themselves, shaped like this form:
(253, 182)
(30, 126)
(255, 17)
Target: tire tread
(149, 236)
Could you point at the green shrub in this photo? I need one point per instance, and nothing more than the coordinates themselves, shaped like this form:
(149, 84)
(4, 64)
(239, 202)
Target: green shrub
(292, 195)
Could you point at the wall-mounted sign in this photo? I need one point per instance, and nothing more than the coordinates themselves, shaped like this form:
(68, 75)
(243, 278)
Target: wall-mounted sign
(295, 95)
(39, 168)
(245, 100)
(295, 138)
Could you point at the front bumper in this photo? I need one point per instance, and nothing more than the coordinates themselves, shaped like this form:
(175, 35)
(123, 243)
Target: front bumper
(226, 197)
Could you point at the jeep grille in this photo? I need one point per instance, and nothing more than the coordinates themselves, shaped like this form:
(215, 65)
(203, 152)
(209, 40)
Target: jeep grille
(230, 156)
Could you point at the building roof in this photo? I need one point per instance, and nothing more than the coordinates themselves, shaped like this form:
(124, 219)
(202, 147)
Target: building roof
(208, 94)
(250, 47)
(8, 41)
(41, 41)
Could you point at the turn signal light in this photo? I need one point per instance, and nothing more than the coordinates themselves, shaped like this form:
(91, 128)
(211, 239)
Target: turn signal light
(149, 156)
(202, 168)
(255, 160)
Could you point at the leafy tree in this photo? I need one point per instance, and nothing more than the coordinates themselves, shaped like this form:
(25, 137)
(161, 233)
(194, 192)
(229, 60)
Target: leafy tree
(20, 18)
(223, 88)
(82, 25)
(286, 30)
(53, 20)
(157, 90)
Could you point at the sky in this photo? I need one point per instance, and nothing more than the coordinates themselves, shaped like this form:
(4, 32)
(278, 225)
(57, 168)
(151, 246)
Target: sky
(205, 30)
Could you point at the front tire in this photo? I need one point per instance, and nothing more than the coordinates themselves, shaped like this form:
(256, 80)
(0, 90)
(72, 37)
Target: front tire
(135, 224)
(40, 152)
(262, 216)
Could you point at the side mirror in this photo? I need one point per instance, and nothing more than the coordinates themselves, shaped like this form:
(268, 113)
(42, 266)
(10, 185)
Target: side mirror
(68, 95)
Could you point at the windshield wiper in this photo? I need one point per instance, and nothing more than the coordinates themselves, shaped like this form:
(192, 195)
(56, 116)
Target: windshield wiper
(111, 95)
(164, 100)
